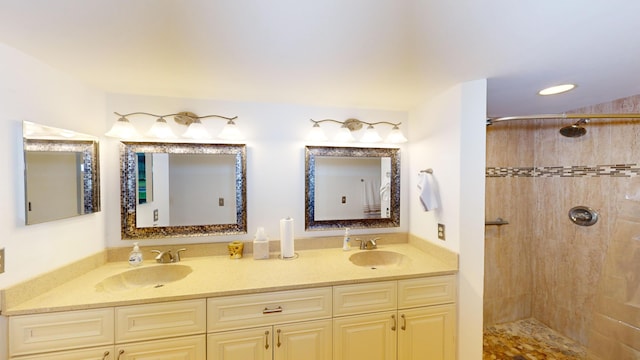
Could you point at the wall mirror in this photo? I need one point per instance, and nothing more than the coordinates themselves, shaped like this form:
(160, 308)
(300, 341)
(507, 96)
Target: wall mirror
(351, 187)
(182, 189)
(61, 173)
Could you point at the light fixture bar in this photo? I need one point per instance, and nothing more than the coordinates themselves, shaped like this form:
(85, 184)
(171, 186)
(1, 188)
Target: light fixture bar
(350, 125)
(161, 129)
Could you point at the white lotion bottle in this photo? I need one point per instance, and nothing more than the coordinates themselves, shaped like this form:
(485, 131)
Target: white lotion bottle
(135, 256)
(260, 245)
(346, 242)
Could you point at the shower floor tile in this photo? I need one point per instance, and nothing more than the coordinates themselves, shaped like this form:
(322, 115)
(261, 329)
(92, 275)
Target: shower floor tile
(528, 340)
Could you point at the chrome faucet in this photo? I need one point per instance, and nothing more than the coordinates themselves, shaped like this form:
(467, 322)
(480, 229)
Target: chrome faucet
(368, 244)
(164, 257)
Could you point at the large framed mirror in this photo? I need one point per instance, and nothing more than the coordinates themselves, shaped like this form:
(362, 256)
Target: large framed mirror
(182, 189)
(351, 187)
(61, 173)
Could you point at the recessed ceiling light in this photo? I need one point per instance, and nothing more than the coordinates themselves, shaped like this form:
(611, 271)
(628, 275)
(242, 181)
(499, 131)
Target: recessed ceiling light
(556, 89)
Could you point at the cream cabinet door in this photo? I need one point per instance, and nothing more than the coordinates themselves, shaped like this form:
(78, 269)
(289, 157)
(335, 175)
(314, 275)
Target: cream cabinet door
(98, 353)
(249, 344)
(370, 337)
(309, 340)
(181, 348)
(38, 333)
(427, 333)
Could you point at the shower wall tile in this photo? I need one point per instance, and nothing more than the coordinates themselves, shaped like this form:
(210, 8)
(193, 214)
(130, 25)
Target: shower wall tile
(622, 340)
(510, 144)
(507, 247)
(565, 261)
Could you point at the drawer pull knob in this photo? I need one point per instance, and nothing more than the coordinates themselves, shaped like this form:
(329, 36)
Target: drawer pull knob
(279, 343)
(393, 327)
(272, 311)
(105, 355)
(266, 339)
(404, 322)
(120, 354)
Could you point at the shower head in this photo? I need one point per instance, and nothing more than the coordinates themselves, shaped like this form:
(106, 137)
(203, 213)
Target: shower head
(574, 130)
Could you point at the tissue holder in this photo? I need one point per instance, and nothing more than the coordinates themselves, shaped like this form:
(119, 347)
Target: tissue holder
(261, 250)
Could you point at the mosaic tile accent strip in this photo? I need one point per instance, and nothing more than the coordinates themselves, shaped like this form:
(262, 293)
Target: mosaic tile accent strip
(618, 170)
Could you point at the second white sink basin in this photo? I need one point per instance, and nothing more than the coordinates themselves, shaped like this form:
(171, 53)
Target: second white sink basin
(151, 276)
(377, 258)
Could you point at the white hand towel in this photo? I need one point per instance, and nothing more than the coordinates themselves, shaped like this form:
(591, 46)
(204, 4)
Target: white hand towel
(427, 189)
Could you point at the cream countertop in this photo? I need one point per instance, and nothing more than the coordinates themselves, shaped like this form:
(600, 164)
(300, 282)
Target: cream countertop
(219, 275)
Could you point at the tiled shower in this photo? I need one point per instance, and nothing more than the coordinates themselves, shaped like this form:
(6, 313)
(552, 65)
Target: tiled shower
(580, 281)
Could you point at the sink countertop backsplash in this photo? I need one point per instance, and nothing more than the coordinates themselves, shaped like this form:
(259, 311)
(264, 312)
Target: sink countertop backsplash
(323, 263)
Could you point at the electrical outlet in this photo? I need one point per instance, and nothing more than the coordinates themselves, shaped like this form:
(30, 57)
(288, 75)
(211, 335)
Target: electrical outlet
(155, 215)
(220, 201)
(441, 232)
(1, 260)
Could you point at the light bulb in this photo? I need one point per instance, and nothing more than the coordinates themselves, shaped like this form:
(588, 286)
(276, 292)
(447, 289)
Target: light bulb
(230, 132)
(122, 129)
(396, 136)
(161, 130)
(196, 131)
(344, 134)
(370, 135)
(316, 133)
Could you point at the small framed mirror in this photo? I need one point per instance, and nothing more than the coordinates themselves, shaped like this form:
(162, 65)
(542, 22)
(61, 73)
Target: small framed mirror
(182, 189)
(61, 173)
(351, 187)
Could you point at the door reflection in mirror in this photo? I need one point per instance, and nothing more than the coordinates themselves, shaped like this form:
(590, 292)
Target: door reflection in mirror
(186, 189)
(352, 188)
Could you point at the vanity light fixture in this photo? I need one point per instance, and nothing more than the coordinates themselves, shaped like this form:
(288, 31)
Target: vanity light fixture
(123, 129)
(558, 89)
(345, 133)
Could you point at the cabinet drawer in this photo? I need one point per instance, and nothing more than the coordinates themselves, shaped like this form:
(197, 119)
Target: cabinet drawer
(29, 334)
(426, 291)
(178, 318)
(98, 353)
(234, 312)
(364, 298)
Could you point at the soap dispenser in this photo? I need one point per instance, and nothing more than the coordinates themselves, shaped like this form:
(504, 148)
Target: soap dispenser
(260, 245)
(346, 242)
(135, 256)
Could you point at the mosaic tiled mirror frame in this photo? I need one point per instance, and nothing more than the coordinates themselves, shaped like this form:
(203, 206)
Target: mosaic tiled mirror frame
(310, 185)
(128, 160)
(88, 151)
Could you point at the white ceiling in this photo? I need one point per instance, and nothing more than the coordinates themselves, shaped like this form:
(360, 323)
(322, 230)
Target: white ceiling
(381, 54)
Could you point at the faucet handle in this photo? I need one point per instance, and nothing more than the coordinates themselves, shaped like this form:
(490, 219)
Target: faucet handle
(176, 256)
(161, 256)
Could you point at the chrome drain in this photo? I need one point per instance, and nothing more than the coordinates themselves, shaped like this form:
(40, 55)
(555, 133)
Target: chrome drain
(158, 286)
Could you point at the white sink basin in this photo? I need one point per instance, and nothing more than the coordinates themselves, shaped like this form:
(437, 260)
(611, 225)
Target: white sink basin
(377, 258)
(152, 276)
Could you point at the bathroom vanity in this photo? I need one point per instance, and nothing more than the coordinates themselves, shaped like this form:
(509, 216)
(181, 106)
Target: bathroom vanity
(268, 309)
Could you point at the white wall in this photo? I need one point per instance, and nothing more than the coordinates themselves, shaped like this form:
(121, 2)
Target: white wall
(448, 135)
(275, 136)
(33, 91)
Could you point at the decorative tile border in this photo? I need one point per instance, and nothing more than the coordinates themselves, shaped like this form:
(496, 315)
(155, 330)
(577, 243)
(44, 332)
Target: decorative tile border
(618, 170)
